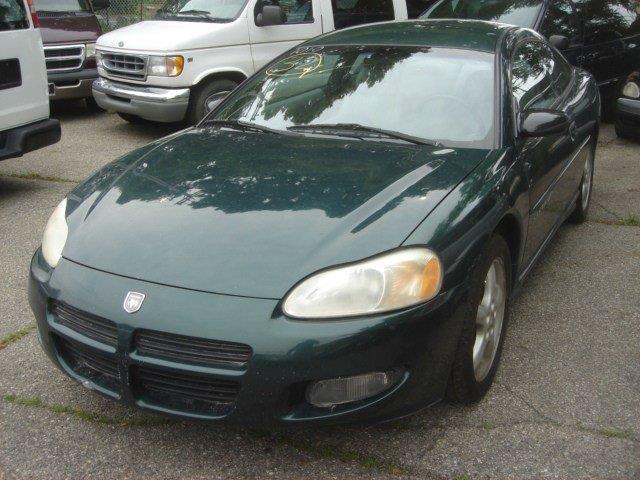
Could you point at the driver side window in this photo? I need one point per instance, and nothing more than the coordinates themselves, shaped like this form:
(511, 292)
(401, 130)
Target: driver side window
(532, 68)
(296, 11)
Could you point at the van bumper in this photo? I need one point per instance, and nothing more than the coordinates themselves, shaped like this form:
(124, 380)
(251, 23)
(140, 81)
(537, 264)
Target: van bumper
(26, 138)
(628, 117)
(151, 103)
(71, 85)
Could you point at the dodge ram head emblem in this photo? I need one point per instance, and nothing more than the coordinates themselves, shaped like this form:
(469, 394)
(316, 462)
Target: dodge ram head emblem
(133, 302)
(121, 44)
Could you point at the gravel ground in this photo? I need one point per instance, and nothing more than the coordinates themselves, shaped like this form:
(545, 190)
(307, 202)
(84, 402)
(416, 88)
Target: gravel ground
(566, 403)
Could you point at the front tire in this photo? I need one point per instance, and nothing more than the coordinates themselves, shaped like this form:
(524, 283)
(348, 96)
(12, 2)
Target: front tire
(134, 119)
(480, 344)
(206, 97)
(579, 214)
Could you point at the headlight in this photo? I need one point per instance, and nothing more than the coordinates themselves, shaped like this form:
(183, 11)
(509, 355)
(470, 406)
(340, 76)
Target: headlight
(631, 90)
(166, 66)
(388, 282)
(90, 50)
(55, 235)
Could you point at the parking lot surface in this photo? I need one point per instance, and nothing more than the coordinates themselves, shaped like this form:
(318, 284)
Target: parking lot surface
(566, 403)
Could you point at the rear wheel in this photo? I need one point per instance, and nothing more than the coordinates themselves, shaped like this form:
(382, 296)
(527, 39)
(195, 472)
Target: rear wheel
(134, 119)
(92, 105)
(480, 345)
(581, 209)
(206, 97)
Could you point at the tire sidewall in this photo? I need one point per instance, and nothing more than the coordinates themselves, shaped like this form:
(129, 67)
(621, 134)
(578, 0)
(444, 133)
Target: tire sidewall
(203, 91)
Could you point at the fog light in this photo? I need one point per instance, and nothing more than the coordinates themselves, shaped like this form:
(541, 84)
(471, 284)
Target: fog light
(336, 391)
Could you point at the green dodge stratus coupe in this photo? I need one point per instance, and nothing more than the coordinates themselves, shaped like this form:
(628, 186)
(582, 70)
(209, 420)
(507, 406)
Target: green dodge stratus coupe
(338, 240)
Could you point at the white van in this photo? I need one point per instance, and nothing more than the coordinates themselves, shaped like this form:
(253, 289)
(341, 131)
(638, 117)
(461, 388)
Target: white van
(24, 100)
(181, 64)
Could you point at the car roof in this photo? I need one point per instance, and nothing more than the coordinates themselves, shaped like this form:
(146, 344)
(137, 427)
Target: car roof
(466, 34)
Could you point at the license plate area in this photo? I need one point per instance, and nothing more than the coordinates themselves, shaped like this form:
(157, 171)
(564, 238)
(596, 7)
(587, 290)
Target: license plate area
(10, 76)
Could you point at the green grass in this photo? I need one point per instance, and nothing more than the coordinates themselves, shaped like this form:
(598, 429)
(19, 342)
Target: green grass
(608, 432)
(15, 336)
(37, 176)
(85, 415)
(629, 221)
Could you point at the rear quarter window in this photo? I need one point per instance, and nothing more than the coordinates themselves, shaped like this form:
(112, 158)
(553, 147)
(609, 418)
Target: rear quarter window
(13, 15)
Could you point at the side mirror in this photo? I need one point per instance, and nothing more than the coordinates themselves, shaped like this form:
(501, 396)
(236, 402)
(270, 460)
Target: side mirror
(559, 41)
(270, 15)
(539, 123)
(100, 4)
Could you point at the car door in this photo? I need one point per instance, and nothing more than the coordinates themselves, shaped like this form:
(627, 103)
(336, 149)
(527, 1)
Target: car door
(533, 66)
(23, 78)
(303, 20)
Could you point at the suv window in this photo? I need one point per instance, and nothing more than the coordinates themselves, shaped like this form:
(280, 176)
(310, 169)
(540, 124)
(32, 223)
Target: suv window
(13, 15)
(522, 13)
(561, 19)
(609, 20)
(347, 13)
(532, 66)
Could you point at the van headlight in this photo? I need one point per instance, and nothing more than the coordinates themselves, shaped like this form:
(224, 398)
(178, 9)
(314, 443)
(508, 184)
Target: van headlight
(395, 280)
(55, 235)
(165, 66)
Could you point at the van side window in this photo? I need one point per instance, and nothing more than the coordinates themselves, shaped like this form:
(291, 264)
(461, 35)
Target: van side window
(347, 13)
(13, 15)
(561, 19)
(609, 20)
(532, 65)
(296, 11)
(415, 8)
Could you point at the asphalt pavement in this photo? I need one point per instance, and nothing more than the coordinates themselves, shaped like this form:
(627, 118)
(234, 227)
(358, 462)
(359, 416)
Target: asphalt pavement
(566, 403)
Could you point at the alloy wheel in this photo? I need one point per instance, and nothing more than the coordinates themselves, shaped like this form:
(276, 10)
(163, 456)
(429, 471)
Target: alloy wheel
(489, 319)
(587, 177)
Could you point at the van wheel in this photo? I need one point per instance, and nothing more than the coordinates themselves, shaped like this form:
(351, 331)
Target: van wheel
(134, 119)
(92, 105)
(480, 344)
(206, 97)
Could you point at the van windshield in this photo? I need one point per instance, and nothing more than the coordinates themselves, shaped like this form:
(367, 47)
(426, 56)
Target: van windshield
(522, 13)
(433, 95)
(66, 6)
(201, 10)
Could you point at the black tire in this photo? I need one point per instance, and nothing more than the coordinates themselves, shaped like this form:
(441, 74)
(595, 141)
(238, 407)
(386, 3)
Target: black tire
(134, 119)
(581, 210)
(92, 105)
(463, 385)
(200, 95)
(622, 132)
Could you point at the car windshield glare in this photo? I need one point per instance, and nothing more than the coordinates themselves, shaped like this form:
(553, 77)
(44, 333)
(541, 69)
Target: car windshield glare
(439, 95)
(201, 9)
(522, 13)
(62, 6)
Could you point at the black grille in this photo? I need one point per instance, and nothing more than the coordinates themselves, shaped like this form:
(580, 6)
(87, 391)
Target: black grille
(63, 64)
(191, 350)
(195, 393)
(92, 326)
(91, 364)
(63, 52)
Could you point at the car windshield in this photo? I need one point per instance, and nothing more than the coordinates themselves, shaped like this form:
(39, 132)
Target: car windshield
(428, 95)
(522, 13)
(62, 6)
(201, 10)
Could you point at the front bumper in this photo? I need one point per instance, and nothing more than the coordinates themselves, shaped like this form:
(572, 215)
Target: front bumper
(287, 354)
(71, 85)
(20, 140)
(152, 103)
(628, 116)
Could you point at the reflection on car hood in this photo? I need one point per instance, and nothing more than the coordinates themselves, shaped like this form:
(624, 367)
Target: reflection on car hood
(251, 214)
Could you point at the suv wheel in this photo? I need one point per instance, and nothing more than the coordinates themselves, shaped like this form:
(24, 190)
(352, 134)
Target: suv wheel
(206, 97)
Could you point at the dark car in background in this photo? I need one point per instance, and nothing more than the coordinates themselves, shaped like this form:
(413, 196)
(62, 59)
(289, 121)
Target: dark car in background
(628, 108)
(601, 36)
(69, 30)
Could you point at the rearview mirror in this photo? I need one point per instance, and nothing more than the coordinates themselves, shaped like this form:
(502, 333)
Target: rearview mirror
(559, 41)
(100, 4)
(270, 15)
(539, 123)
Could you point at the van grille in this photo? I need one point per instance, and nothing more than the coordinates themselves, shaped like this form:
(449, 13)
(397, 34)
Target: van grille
(125, 66)
(197, 393)
(181, 348)
(92, 326)
(63, 58)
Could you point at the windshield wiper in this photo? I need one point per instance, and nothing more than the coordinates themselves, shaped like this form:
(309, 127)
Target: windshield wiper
(356, 127)
(243, 126)
(198, 13)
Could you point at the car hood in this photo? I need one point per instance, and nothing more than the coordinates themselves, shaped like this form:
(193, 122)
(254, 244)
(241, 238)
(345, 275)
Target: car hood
(251, 214)
(68, 28)
(174, 36)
